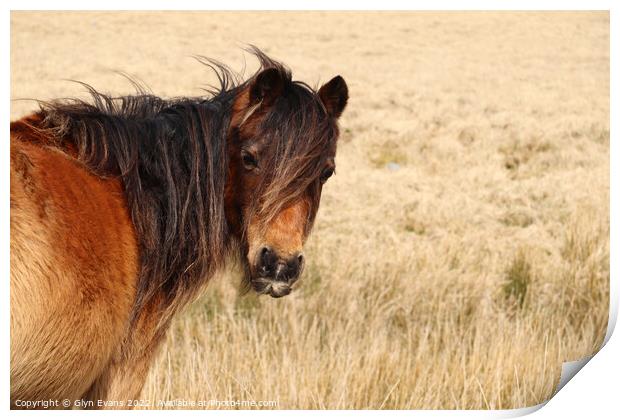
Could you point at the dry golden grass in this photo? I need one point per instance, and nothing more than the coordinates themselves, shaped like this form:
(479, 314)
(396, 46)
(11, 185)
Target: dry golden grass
(462, 278)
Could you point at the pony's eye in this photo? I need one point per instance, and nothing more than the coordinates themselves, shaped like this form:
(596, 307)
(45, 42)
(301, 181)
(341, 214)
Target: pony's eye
(249, 160)
(327, 172)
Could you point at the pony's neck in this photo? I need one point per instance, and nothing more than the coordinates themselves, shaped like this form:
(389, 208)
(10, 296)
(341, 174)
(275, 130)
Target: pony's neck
(171, 157)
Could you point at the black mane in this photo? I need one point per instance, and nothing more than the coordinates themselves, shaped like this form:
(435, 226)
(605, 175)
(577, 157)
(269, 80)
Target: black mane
(171, 157)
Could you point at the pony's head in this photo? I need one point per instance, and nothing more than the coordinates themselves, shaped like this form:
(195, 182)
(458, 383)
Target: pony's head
(282, 145)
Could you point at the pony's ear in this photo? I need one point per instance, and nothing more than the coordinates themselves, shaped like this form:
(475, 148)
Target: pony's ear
(334, 95)
(266, 87)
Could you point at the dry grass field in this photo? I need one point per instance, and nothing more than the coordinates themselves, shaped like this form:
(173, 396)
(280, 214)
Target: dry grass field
(461, 253)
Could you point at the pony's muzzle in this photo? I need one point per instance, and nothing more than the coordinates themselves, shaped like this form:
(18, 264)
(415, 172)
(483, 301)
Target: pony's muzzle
(272, 266)
(276, 274)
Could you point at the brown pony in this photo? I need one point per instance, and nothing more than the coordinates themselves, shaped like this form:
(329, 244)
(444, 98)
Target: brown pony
(123, 208)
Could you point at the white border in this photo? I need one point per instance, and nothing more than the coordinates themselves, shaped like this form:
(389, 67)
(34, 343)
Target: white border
(595, 390)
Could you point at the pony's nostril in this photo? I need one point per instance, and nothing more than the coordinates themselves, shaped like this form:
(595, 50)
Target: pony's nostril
(264, 252)
(267, 260)
(294, 266)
